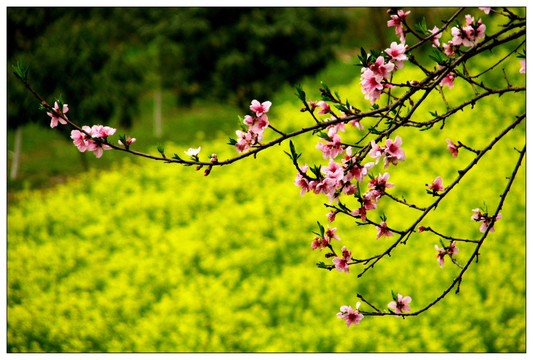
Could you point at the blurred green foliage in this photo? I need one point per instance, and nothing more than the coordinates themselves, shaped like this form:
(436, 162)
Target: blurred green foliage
(103, 59)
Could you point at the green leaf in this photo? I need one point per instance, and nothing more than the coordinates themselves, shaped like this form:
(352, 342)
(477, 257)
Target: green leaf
(321, 229)
(422, 27)
(232, 141)
(20, 70)
(160, 148)
(176, 157)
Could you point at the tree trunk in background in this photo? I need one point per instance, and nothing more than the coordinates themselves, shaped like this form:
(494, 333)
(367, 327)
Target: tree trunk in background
(16, 154)
(157, 113)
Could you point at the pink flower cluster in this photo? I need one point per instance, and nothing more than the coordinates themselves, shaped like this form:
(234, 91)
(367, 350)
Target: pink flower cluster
(341, 263)
(329, 234)
(392, 152)
(470, 34)
(447, 250)
(92, 139)
(397, 20)
(256, 126)
(485, 220)
(374, 77)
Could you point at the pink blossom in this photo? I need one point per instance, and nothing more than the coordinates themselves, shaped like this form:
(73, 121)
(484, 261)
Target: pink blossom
(247, 140)
(360, 171)
(129, 141)
(381, 70)
(331, 216)
(259, 108)
(319, 243)
(462, 36)
(485, 220)
(383, 230)
(436, 185)
(454, 149)
(435, 38)
(324, 107)
(396, 21)
(479, 31)
(56, 119)
(100, 131)
(341, 264)
(301, 181)
(393, 152)
(523, 66)
(440, 255)
(80, 138)
(449, 48)
(379, 185)
(214, 158)
(351, 316)
(452, 249)
(448, 250)
(376, 152)
(400, 305)
(397, 53)
(331, 149)
(256, 124)
(469, 35)
(333, 171)
(486, 10)
(329, 234)
(312, 104)
(371, 85)
(361, 212)
(84, 139)
(447, 80)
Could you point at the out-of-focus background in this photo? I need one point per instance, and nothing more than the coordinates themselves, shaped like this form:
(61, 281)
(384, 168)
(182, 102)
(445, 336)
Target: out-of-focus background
(122, 254)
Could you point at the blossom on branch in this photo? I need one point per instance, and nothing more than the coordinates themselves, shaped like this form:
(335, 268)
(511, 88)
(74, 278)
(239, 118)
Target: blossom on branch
(400, 305)
(397, 54)
(448, 250)
(92, 139)
(454, 149)
(56, 119)
(435, 38)
(260, 108)
(436, 185)
(447, 80)
(397, 21)
(393, 152)
(383, 230)
(522, 66)
(351, 316)
(485, 220)
(341, 264)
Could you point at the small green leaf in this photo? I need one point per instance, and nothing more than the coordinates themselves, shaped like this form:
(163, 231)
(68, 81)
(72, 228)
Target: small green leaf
(232, 141)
